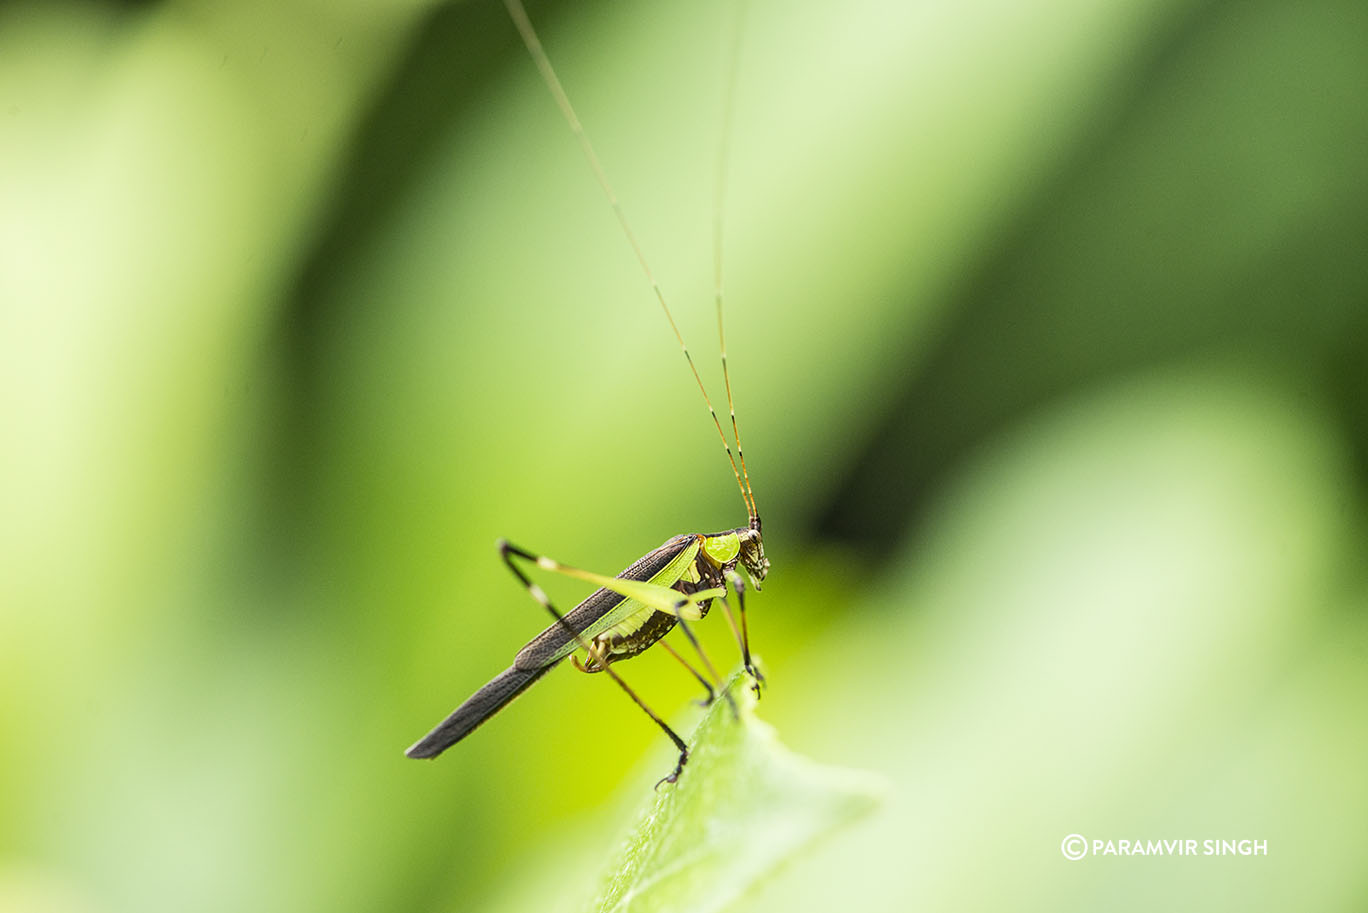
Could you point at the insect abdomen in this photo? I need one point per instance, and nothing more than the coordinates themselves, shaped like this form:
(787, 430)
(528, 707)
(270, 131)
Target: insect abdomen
(617, 645)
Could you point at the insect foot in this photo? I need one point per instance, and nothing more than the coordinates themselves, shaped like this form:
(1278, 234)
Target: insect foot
(757, 679)
(679, 769)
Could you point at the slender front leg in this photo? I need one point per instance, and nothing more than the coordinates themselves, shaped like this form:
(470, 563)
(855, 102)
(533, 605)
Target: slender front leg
(508, 551)
(739, 586)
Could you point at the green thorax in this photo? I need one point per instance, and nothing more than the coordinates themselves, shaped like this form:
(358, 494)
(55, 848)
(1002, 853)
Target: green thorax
(723, 548)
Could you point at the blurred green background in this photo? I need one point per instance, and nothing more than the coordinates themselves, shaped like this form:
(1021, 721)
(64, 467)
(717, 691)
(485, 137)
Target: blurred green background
(1048, 324)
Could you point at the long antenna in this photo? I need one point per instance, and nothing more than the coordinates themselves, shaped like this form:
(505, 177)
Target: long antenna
(548, 73)
(723, 156)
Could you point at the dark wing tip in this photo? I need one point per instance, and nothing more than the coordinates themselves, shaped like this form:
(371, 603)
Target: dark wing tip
(426, 747)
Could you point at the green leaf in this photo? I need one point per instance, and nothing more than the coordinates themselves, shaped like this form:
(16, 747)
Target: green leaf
(744, 805)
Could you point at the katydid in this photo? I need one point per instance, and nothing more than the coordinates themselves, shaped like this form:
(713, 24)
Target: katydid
(671, 585)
